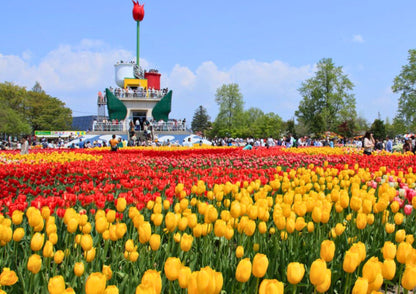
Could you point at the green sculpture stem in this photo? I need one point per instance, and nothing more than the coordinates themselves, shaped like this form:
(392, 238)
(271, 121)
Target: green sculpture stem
(138, 44)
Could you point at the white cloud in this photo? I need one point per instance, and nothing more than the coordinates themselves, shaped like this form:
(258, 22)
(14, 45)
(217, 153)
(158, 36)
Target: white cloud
(358, 39)
(75, 73)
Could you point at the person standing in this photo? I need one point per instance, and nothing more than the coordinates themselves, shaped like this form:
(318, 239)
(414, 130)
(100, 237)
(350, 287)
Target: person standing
(25, 147)
(114, 143)
(389, 145)
(368, 143)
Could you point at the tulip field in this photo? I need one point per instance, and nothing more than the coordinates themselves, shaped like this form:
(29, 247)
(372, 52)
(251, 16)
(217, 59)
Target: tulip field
(207, 220)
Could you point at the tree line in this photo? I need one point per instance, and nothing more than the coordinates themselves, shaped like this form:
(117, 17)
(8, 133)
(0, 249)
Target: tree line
(22, 111)
(327, 104)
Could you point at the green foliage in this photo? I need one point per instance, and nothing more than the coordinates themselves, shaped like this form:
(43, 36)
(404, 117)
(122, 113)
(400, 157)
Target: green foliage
(233, 121)
(326, 101)
(290, 127)
(201, 120)
(378, 129)
(405, 84)
(23, 112)
(231, 103)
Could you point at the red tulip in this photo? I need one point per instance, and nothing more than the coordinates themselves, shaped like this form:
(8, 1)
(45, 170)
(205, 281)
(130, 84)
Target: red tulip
(138, 11)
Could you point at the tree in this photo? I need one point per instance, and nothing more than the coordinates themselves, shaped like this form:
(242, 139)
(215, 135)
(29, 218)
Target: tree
(346, 129)
(231, 103)
(405, 84)
(23, 111)
(378, 129)
(200, 121)
(37, 88)
(327, 101)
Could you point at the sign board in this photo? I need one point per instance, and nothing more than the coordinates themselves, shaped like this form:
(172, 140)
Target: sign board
(57, 134)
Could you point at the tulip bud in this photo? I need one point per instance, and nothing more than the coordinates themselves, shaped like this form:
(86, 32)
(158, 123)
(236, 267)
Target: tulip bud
(317, 268)
(172, 268)
(36, 243)
(408, 278)
(95, 283)
(295, 272)
(34, 263)
(243, 271)
(239, 252)
(18, 234)
(360, 286)
(56, 285)
(351, 261)
(58, 257)
(327, 250)
(79, 269)
(389, 269)
(271, 287)
(153, 278)
(183, 277)
(260, 265)
(107, 272)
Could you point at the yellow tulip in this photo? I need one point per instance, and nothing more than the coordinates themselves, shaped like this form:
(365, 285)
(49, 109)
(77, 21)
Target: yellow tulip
(295, 272)
(18, 234)
(89, 255)
(86, 242)
(371, 269)
(400, 236)
(186, 242)
(239, 252)
(260, 265)
(107, 272)
(327, 250)
(48, 249)
(8, 277)
(111, 289)
(317, 268)
(390, 228)
(34, 263)
(145, 231)
(361, 221)
(243, 271)
(56, 285)
(403, 252)
(133, 256)
(121, 204)
(17, 217)
(170, 221)
(129, 246)
(95, 284)
(408, 278)
(324, 286)
(389, 250)
(36, 243)
(172, 268)
(58, 257)
(351, 261)
(154, 241)
(183, 277)
(101, 225)
(152, 277)
(398, 218)
(360, 286)
(111, 215)
(72, 225)
(389, 269)
(79, 269)
(271, 287)
(359, 248)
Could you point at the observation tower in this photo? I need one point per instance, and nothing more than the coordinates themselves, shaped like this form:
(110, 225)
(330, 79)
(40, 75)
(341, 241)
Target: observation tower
(137, 98)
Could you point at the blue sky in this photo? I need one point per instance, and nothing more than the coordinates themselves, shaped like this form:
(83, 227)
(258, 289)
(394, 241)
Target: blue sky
(267, 47)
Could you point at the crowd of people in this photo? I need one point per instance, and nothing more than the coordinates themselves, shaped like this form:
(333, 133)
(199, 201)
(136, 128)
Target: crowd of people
(368, 143)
